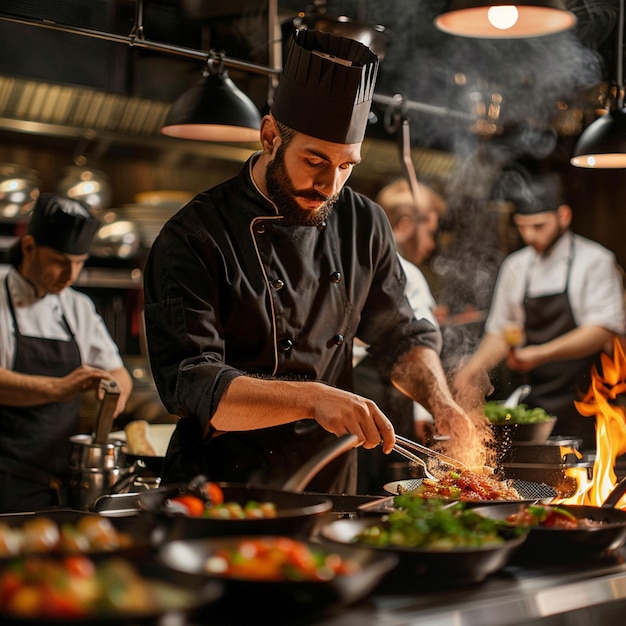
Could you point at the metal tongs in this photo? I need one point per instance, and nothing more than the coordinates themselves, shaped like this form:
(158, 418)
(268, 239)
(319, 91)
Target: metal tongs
(404, 446)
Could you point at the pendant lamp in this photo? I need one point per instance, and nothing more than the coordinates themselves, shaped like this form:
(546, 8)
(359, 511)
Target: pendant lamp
(503, 19)
(603, 143)
(214, 109)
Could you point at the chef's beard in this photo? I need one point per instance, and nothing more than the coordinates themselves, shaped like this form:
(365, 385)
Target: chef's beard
(283, 195)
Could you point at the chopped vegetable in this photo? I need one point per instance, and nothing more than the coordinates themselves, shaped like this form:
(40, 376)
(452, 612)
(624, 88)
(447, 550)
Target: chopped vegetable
(497, 413)
(277, 558)
(431, 524)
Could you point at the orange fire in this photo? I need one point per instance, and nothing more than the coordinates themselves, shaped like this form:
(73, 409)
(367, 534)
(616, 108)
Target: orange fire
(602, 401)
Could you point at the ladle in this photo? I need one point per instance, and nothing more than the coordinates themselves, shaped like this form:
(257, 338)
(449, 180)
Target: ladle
(517, 396)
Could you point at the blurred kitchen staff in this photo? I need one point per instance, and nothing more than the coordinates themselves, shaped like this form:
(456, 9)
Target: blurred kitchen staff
(256, 289)
(414, 228)
(53, 347)
(558, 302)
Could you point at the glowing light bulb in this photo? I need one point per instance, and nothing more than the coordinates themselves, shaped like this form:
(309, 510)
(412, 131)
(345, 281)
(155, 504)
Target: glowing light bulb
(503, 17)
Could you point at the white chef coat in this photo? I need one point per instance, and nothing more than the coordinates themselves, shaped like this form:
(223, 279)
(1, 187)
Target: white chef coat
(595, 287)
(43, 317)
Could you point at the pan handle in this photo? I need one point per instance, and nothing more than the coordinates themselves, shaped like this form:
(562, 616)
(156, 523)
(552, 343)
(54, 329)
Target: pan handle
(615, 495)
(320, 460)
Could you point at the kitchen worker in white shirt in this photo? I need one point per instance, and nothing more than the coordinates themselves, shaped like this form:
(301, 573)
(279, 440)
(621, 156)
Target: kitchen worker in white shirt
(565, 295)
(414, 225)
(53, 348)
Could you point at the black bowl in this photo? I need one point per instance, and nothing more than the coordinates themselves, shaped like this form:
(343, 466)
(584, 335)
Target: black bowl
(451, 567)
(510, 432)
(140, 532)
(244, 595)
(296, 513)
(178, 599)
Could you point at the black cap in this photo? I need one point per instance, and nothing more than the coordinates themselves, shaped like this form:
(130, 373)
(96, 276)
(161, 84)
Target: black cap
(63, 224)
(541, 194)
(326, 87)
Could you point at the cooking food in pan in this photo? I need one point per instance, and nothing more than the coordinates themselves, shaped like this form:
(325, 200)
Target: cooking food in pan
(278, 558)
(77, 588)
(433, 525)
(436, 542)
(565, 530)
(466, 486)
(497, 413)
(274, 574)
(550, 517)
(270, 511)
(43, 534)
(519, 423)
(206, 499)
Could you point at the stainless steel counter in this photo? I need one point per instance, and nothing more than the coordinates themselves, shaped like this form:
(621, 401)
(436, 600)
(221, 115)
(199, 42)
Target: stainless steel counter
(572, 594)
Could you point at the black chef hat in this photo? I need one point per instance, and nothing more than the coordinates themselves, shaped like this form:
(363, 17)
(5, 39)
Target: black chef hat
(63, 224)
(326, 87)
(541, 194)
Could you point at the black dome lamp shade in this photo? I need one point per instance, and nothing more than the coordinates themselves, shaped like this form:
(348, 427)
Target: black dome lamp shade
(214, 109)
(505, 19)
(603, 143)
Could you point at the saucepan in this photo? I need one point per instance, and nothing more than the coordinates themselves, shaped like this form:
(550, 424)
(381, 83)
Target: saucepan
(548, 542)
(297, 513)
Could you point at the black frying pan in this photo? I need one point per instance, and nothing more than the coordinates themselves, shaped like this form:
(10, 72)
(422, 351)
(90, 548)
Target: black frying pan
(545, 543)
(297, 513)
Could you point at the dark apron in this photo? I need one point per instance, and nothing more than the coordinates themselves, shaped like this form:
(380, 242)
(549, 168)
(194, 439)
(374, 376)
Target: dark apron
(266, 457)
(556, 385)
(35, 441)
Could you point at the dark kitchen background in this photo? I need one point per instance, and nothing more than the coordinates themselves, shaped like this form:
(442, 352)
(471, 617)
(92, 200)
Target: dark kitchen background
(478, 110)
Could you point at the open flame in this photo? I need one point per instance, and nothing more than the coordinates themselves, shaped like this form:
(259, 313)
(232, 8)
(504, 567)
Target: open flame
(603, 401)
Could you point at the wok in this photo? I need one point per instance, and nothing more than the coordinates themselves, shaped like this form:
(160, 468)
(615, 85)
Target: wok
(451, 567)
(528, 491)
(263, 596)
(140, 531)
(297, 513)
(545, 543)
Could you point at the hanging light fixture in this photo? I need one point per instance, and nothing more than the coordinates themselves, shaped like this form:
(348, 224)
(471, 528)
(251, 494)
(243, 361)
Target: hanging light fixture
(503, 19)
(214, 109)
(603, 143)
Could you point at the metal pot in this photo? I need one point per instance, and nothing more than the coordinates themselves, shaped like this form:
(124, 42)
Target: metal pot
(85, 454)
(88, 483)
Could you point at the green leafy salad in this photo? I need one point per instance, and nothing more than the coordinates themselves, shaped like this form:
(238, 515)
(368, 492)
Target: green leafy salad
(431, 524)
(521, 414)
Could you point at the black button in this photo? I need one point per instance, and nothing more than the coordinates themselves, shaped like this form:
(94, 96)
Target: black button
(260, 228)
(285, 345)
(338, 339)
(335, 277)
(321, 226)
(277, 283)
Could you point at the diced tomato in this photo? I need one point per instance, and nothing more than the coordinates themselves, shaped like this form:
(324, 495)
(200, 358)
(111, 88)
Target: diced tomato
(79, 566)
(192, 504)
(214, 493)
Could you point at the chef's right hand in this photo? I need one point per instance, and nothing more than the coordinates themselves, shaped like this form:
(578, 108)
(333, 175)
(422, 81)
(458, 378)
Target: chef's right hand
(81, 379)
(341, 412)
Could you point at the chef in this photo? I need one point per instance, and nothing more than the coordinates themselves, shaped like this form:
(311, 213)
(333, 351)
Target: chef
(565, 295)
(53, 347)
(256, 289)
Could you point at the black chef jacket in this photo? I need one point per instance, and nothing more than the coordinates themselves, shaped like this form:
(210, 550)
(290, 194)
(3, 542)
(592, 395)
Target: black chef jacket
(230, 290)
